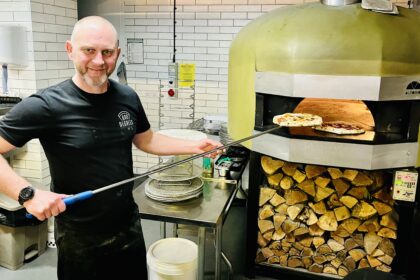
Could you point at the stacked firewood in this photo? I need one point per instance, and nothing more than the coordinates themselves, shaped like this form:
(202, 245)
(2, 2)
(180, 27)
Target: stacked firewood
(325, 220)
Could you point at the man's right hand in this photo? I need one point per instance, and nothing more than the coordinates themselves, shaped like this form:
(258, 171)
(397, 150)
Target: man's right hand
(45, 204)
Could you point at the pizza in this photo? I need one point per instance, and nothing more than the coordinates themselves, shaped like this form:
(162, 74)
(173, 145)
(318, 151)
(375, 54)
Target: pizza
(297, 120)
(340, 127)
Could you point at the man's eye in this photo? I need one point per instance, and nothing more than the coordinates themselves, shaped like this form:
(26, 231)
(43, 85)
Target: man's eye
(89, 51)
(107, 52)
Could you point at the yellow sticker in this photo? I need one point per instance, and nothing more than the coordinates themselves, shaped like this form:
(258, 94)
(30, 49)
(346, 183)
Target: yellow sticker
(186, 75)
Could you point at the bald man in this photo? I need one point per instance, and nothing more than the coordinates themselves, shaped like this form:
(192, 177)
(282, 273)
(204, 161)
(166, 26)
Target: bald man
(86, 126)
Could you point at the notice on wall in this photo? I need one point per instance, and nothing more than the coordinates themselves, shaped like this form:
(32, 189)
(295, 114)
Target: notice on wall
(186, 75)
(405, 185)
(135, 51)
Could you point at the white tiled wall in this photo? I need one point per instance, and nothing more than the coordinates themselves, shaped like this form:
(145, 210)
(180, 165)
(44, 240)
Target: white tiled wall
(48, 23)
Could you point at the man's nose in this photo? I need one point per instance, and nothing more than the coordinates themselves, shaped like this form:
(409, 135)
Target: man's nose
(98, 59)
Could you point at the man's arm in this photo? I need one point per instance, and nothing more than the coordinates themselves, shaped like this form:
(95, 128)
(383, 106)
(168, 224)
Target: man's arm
(159, 144)
(43, 205)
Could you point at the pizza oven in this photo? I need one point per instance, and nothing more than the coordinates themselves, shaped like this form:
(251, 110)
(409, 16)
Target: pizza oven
(343, 63)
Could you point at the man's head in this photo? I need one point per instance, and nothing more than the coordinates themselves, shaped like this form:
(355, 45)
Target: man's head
(94, 50)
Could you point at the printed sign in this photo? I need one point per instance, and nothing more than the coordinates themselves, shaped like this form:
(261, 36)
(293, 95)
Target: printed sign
(186, 75)
(405, 186)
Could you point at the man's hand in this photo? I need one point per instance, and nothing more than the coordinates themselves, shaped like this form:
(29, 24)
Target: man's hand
(45, 204)
(206, 145)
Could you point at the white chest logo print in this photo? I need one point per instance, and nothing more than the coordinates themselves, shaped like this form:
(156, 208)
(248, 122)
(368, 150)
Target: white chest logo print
(125, 120)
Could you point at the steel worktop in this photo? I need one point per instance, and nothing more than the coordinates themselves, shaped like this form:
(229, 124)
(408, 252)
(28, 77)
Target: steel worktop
(207, 211)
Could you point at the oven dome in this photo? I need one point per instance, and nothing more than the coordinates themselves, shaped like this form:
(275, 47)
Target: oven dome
(322, 40)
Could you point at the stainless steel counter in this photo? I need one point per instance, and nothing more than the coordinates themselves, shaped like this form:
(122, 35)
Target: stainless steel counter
(207, 211)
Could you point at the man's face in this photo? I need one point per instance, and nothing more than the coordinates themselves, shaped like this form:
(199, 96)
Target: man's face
(94, 54)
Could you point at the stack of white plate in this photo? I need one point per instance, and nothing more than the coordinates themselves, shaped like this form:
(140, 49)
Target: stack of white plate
(174, 191)
(177, 183)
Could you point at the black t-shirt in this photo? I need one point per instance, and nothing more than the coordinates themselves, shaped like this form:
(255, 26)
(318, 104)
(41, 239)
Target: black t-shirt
(87, 139)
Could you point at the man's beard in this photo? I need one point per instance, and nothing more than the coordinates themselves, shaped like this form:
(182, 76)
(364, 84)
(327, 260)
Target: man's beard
(95, 81)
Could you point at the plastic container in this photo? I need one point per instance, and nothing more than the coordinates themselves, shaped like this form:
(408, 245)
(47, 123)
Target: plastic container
(172, 259)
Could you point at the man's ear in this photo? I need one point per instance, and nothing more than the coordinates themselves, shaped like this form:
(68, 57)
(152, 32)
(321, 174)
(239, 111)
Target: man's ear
(69, 49)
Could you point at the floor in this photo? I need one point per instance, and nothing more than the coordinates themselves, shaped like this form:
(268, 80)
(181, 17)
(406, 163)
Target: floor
(43, 267)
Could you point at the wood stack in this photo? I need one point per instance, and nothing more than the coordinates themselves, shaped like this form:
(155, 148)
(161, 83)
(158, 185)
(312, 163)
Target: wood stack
(325, 220)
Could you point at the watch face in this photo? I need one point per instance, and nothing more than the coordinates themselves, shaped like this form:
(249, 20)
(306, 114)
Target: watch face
(26, 194)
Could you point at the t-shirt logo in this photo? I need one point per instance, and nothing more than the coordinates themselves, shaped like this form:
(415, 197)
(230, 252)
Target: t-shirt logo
(125, 120)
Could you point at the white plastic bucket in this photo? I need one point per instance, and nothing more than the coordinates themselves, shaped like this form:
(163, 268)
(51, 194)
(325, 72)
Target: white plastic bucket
(172, 259)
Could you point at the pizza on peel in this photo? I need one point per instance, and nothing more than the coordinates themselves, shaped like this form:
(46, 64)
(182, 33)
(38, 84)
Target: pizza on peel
(297, 120)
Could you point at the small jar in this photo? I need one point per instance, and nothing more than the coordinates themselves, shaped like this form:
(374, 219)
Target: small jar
(208, 167)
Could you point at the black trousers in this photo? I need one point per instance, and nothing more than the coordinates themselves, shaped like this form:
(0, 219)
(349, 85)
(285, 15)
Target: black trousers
(112, 255)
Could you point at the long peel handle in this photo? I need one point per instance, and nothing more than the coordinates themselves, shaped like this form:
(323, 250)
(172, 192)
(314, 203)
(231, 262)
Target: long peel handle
(71, 200)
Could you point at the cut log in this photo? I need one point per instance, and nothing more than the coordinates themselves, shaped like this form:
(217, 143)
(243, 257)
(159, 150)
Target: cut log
(322, 182)
(308, 187)
(386, 259)
(298, 246)
(265, 195)
(269, 165)
(282, 209)
(342, 213)
(350, 174)
(314, 170)
(290, 237)
(283, 260)
(307, 242)
(340, 186)
(299, 176)
(317, 268)
(294, 252)
(350, 244)
(324, 249)
(373, 262)
(268, 234)
(311, 217)
(362, 180)
(294, 262)
(289, 168)
(333, 201)
(384, 268)
(260, 257)
(384, 196)
(318, 207)
(351, 224)
(363, 263)
(349, 263)
(286, 183)
(278, 219)
(336, 262)
(337, 238)
(388, 221)
(334, 245)
(363, 211)
(388, 233)
(341, 255)
(322, 193)
(335, 173)
(266, 212)
(371, 242)
(267, 252)
(343, 271)
(295, 196)
(278, 234)
(303, 229)
(330, 269)
(348, 201)
(381, 207)
(377, 253)
(387, 246)
(288, 226)
(274, 180)
(294, 210)
(328, 221)
(358, 192)
(358, 237)
(341, 231)
(319, 259)
(370, 225)
(276, 200)
(315, 230)
(261, 241)
(273, 260)
(318, 241)
(357, 254)
(307, 261)
(265, 225)
(276, 245)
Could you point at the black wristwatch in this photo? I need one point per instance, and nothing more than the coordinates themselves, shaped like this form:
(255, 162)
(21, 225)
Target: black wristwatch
(26, 194)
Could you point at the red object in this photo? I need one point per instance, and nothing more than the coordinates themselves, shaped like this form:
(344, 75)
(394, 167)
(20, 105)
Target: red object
(171, 92)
